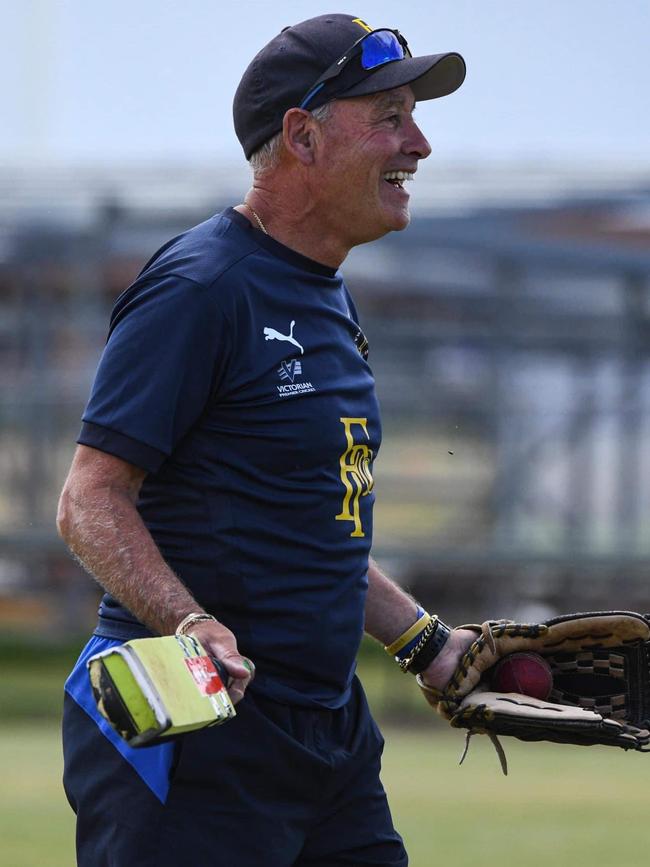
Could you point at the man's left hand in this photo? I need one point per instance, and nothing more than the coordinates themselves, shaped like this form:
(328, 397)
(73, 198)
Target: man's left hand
(438, 673)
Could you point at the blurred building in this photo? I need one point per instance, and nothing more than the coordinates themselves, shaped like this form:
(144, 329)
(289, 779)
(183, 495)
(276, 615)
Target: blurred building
(509, 335)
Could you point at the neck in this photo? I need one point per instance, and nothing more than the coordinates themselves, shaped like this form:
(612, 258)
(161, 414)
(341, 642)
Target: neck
(295, 224)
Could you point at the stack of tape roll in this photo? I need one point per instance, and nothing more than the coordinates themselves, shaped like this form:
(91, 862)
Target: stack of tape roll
(150, 689)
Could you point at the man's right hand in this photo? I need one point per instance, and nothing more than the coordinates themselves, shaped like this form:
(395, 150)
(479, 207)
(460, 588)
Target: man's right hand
(220, 642)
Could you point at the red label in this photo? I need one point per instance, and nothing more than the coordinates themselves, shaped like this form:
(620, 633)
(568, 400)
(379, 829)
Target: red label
(205, 674)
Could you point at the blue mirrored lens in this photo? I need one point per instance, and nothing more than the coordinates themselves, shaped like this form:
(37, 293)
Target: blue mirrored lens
(378, 48)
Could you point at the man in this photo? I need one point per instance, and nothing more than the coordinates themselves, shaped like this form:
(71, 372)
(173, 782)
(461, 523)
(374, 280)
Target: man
(223, 482)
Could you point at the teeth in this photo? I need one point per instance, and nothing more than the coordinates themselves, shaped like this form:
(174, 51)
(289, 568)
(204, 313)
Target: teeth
(398, 176)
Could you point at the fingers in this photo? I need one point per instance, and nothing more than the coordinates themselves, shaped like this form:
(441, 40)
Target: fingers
(237, 665)
(241, 671)
(220, 642)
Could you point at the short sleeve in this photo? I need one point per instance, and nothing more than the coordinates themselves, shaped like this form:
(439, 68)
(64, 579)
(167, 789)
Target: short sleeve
(164, 359)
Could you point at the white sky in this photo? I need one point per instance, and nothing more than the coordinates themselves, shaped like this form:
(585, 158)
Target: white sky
(133, 79)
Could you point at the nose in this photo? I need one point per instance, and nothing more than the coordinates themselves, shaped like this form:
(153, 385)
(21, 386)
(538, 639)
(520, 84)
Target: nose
(415, 143)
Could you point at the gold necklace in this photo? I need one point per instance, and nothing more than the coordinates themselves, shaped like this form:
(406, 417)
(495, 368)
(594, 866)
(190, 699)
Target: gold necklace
(257, 218)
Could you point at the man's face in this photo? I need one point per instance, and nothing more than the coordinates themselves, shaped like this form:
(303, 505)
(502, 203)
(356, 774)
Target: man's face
(365, 141)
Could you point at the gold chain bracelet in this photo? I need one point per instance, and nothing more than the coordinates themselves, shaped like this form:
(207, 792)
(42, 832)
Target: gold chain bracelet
(191, 620)
(428, 631)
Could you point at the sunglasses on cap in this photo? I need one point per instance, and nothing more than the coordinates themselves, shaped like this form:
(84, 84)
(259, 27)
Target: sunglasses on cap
(376, 48)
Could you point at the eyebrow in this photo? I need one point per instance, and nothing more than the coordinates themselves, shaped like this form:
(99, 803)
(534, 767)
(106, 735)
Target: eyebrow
(388, 100)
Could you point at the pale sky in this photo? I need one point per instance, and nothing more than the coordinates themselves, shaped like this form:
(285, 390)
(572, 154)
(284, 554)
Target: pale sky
(152, 79)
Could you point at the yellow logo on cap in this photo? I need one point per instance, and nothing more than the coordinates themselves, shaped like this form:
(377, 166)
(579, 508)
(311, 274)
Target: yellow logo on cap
(362, 24)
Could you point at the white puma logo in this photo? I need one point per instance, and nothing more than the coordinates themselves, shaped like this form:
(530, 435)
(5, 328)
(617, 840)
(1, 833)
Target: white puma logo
(272, 334)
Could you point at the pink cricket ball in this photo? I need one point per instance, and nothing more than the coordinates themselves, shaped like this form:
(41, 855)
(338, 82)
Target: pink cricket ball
(525, 673)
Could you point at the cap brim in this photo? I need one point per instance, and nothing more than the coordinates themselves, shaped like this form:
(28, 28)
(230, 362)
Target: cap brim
(430, 77)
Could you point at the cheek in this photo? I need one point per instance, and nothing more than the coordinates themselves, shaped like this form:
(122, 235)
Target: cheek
(351, 172)
(349, 176)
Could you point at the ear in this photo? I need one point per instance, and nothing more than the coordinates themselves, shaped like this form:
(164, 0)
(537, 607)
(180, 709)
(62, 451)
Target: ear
(300, 135)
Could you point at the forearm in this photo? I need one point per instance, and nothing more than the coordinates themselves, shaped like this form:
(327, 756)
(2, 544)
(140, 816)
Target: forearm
(98, 519)
(389, 609)
(105, 532)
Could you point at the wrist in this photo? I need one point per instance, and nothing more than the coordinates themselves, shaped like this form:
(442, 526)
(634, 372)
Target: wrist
(430, 648)
(191, 620)
(416, 648)
(405, 642)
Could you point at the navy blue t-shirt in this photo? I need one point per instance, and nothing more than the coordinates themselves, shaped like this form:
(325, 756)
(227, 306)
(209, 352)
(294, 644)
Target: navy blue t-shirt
(234, 374)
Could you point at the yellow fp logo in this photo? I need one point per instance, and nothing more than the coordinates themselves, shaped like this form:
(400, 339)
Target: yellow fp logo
(355, 473)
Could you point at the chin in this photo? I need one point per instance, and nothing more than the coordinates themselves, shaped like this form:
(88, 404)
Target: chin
(404, 220)
(394, 211)
(397, 222)
(387, 220)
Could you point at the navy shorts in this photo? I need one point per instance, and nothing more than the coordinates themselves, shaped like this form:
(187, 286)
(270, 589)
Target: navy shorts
(277, 786)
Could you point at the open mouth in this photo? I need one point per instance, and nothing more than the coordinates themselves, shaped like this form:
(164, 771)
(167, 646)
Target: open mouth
(397, 179)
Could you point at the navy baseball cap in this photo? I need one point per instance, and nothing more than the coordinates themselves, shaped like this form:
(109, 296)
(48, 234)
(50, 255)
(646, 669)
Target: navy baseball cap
(288, 72)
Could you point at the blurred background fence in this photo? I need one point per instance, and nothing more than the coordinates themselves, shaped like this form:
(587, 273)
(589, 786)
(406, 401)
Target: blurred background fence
(509, 335)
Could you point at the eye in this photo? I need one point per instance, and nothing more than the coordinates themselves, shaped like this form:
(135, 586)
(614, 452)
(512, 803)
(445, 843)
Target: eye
(394, 120)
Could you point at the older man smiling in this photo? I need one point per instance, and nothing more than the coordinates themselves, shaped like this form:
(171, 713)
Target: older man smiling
(222, 486)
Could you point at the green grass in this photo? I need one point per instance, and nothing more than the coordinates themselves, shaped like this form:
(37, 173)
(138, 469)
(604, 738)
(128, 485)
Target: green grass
(564, 806)
(36, 823)
(560, 805)
(32, 675)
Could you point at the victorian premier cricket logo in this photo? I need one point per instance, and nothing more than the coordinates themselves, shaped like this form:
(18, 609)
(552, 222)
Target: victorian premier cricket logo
(355, 472)
(289, 370)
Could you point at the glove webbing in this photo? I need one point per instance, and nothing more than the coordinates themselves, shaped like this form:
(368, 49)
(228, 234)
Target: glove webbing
(608, 674)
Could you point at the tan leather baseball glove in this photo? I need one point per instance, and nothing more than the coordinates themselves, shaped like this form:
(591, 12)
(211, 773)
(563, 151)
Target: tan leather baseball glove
(600, 664)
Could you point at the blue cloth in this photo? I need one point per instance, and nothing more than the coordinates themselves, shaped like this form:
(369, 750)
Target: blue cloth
(151, 764)
(233, 374)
